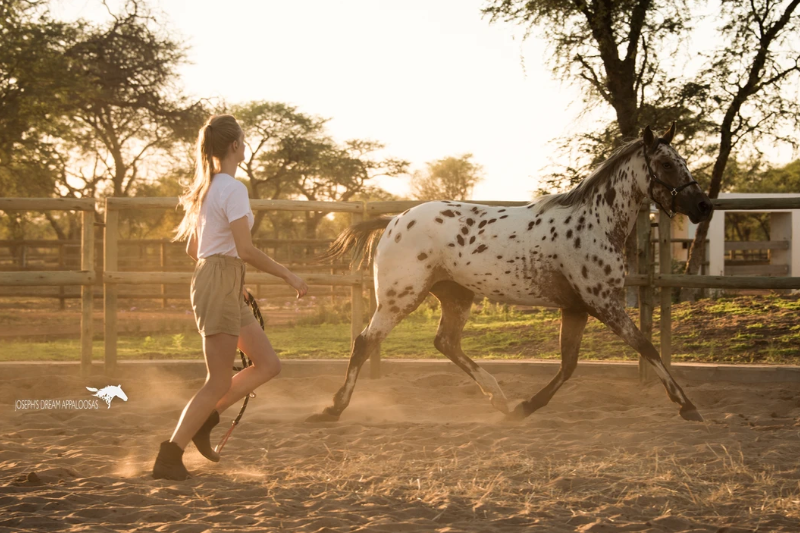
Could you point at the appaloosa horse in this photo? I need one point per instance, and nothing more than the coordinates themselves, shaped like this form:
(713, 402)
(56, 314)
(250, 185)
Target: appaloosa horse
(566, 249)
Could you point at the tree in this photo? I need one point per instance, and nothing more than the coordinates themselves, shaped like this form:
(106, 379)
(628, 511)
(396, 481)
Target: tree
(746, 81)
(280, 139)
(128, 108)
(738, 98)
(610, 47)
(84, 106)
(785, 179)
(292, 155)
(35, 83)
(450, 178)
(339, 172)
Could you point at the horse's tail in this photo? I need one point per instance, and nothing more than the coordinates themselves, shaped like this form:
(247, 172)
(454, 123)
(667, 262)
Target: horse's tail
(360, 237)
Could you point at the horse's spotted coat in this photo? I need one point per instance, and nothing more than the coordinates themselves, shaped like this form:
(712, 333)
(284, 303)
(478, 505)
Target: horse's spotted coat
(574, 261)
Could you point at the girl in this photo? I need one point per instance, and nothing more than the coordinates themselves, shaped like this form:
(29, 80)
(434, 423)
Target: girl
(217, 224)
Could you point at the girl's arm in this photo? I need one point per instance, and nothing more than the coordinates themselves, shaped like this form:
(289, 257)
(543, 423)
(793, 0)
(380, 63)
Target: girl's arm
(191, 246)
(252, 255)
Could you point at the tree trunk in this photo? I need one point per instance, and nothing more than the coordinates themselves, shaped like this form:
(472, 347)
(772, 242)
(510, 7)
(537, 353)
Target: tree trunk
(56, 226)
(313, 218)
(697, 252)
(16, 230)
(621, 81)
(257, 219)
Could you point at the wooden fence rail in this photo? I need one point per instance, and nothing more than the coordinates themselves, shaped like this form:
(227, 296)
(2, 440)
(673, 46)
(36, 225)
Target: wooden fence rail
(111, 277)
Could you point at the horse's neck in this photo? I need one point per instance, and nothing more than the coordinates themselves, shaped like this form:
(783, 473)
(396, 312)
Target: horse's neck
(621, 197)
(634, 181)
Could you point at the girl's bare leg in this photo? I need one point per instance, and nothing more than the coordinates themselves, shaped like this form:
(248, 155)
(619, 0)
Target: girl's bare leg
(219, 350)
(266, 365)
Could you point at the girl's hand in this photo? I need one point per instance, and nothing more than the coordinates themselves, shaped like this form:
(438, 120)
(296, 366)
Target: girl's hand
(297, 284)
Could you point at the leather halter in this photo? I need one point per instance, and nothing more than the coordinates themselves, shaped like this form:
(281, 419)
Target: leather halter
(673, 190)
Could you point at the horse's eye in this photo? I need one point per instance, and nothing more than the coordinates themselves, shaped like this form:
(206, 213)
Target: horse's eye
(667, 165)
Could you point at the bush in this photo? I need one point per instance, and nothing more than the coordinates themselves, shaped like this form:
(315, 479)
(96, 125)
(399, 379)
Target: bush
(497, 310)
(327, 314)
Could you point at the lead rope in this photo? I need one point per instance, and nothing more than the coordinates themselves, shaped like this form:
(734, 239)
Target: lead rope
(246, 362)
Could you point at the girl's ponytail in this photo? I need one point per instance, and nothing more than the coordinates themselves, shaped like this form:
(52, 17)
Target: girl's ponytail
(213, 141)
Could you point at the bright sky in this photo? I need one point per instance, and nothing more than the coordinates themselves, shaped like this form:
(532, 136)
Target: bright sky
(429, 79)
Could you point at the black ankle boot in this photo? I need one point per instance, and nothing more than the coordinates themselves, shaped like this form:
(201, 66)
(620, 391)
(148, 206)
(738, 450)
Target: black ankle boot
(169, 463)
(202, 439)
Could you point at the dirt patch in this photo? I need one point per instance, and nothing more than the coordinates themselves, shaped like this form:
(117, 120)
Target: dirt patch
(412, 453)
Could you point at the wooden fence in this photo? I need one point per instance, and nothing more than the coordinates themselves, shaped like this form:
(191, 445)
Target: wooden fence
(85, 277)
(142, 254)
(112, 277)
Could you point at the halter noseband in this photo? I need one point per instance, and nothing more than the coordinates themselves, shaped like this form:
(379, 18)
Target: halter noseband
(673, 190)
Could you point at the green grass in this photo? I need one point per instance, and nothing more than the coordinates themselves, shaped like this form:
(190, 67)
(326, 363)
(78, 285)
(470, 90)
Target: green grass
(762, 329)
(499, 333)
(128, 347)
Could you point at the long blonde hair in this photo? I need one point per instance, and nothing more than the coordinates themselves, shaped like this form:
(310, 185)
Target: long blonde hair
(213, 140)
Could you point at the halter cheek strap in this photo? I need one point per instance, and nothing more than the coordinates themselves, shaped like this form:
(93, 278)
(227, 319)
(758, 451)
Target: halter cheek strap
(654, 179)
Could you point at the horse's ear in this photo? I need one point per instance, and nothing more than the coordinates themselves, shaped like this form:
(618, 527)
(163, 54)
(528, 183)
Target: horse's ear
(670, 133)
(648, 137)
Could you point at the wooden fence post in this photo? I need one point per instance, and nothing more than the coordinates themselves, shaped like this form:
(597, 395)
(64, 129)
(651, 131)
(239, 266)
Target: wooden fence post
(87, 291)
(110, 264)
(645, 292)
(665, 267)
(163, 269)
(62, 302)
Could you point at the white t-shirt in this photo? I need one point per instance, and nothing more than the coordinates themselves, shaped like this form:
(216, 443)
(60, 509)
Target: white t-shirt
(226, 201)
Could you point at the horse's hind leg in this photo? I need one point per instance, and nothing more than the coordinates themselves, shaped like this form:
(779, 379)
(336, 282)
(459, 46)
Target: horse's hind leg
(572, 326)
(618, 320)
(456, 303)
(363, 346)
(367, 342)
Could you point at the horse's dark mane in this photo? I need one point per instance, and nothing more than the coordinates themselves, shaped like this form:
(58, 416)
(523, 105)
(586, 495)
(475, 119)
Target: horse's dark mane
(586, 188)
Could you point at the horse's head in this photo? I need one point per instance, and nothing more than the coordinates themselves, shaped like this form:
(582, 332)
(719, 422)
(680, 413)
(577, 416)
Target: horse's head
(119, 394)
(670, 184)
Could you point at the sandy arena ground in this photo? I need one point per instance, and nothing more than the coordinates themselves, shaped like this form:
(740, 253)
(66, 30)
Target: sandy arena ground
(412, 453)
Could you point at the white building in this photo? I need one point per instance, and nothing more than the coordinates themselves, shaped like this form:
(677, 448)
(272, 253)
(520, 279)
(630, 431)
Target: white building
(784, 226)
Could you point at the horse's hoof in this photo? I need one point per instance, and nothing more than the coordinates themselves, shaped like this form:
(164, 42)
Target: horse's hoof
(516, 415)
(500, 403)
(322, 417)
(691, 414)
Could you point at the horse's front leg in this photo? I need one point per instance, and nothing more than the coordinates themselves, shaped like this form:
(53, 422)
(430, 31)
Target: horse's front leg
(572, 326)
(620, 323)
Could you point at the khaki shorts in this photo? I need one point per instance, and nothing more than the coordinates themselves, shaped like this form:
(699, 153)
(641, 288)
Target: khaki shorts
(216, 295)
